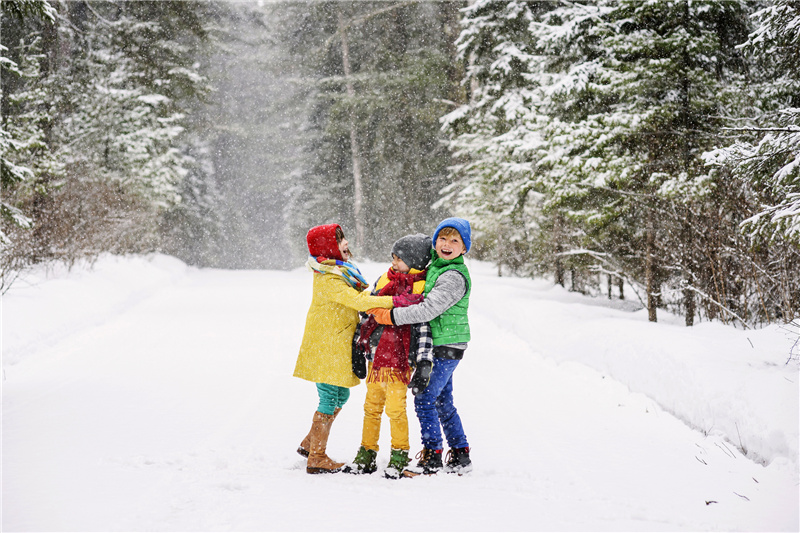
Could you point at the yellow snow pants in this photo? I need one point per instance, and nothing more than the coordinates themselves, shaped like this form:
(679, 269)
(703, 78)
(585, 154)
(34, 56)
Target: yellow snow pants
(392, 395)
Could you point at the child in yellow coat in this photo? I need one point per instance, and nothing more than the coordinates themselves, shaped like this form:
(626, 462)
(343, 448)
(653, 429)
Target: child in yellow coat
(325, 356)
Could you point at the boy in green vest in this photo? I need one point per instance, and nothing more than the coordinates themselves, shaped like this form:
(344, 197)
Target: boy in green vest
(447, 290)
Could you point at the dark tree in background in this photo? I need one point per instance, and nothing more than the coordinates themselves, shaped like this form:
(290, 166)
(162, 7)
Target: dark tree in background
(650, 146)
(329, 111)
(383, 74)
(100, 148)
(584, 151)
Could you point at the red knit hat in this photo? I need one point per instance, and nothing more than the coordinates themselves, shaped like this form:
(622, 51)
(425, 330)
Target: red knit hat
(322, 242)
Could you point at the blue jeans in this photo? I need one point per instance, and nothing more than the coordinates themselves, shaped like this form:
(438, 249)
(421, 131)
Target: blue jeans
(331, 397)
(434, 407)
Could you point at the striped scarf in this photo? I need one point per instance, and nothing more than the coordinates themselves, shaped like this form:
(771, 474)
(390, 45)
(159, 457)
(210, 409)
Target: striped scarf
(351, 274)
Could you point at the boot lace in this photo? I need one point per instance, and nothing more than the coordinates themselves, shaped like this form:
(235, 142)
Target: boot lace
(425, 456)
(450, 458)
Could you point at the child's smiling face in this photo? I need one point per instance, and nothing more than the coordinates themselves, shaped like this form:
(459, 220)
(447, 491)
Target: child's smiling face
(399, 265)
(344, 249)
(449, 244)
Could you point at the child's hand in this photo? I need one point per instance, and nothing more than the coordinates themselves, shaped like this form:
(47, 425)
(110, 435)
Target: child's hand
(421, 378)
(382, 316)
(404, 300)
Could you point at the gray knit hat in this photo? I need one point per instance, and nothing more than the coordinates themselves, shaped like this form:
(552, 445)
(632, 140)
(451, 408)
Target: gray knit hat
(414, 250)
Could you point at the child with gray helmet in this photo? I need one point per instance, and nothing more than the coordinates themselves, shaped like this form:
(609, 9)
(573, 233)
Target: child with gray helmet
(392, 352)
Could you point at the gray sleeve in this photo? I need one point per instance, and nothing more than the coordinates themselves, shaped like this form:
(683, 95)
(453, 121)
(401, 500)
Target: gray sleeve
(450, 287)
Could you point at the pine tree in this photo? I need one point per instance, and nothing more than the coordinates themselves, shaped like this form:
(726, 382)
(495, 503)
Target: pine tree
(100, 125)
(597, 113)
(763, 164)
(127, 92)
(496, 135)
(400, 81)
(768, 158)
(23, 131)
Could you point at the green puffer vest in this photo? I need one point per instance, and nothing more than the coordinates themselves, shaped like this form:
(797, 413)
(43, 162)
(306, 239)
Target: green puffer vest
(451, 327)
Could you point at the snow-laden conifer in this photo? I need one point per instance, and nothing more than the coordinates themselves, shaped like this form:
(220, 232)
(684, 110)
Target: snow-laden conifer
(766, 154)
(581, 148)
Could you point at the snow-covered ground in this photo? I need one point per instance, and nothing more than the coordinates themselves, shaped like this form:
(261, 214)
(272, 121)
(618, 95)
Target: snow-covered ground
(147, 395)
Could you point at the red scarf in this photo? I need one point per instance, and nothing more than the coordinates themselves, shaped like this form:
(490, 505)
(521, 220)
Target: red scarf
(400, 283)
(391, 354)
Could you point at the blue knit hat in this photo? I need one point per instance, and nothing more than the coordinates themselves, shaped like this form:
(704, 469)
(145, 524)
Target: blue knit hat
(459, 224)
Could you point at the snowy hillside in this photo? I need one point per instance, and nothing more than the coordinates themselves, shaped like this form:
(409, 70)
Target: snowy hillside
(147, 395)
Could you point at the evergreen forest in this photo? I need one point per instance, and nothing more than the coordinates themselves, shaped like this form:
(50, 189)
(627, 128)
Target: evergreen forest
(639, 149)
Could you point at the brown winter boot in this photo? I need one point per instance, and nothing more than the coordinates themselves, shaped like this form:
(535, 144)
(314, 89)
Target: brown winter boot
(305, 445)
(318, 461)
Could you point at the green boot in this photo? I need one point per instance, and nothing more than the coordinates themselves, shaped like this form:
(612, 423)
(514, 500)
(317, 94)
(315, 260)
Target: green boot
(364, 463)
(397, 463)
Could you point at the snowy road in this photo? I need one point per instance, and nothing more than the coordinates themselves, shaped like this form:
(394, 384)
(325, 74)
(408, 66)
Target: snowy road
(172, 407)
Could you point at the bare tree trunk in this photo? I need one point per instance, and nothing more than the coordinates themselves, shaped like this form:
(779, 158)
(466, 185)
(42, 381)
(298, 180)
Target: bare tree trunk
(559, 272)
(358, 196)
(621, 287)
(689, 304)
(449, 15)
(650, 274)
(686, 231)
(559, 267)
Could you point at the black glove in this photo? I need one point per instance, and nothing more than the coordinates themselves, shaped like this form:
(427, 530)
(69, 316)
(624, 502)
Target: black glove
(359, 361)
(422, 376)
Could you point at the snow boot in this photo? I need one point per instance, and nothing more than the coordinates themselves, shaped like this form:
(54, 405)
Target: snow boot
(305, 445)
(397, 463)
(364, 463)
(458, 461)
(430, 462)
(318, 461)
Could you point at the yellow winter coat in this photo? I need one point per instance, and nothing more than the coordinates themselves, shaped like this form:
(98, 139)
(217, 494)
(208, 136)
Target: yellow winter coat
(326, 352)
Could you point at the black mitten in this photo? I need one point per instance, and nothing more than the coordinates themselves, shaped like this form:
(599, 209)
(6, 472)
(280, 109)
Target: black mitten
(422, 376)
(359, 361)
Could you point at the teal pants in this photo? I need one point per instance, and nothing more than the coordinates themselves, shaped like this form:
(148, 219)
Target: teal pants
(331, 397)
